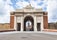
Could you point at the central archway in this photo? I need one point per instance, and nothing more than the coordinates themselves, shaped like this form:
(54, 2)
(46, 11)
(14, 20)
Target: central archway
(28, 23)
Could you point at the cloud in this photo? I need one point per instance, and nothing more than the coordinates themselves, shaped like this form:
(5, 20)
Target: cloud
(10, 5)
(21, 4)
(5, 9)
(34, 3)
(39, 4)
(52, 10)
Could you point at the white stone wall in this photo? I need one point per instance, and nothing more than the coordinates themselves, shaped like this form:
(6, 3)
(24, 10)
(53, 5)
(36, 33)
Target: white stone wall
(20, 19)
(17, 20)
(39, 19)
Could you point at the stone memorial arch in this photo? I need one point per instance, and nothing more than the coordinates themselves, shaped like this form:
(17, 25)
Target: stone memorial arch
(29, 19)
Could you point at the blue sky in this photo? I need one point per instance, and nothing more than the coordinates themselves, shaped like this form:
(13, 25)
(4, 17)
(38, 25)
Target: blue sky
(6, 6)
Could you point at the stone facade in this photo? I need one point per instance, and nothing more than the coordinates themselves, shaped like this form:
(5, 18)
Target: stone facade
(38, 18)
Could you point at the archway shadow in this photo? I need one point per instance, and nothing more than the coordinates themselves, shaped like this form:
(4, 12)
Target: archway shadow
(29, 18)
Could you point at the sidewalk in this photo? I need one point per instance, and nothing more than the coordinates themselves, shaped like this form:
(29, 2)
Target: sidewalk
(50, 33)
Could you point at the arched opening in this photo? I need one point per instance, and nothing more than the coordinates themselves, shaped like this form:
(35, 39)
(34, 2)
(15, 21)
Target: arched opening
(28, 23)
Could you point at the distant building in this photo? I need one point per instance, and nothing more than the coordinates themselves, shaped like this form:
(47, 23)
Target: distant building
(21, 17)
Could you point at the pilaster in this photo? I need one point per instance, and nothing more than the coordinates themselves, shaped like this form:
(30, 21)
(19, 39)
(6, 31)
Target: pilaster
(22, 23)
(35, 28)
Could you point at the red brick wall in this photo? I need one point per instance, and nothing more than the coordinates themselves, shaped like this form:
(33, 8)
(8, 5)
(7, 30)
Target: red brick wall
(45, 21)
(11, 21)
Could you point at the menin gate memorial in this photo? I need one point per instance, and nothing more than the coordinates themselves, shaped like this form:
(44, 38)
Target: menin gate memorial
(29, 19)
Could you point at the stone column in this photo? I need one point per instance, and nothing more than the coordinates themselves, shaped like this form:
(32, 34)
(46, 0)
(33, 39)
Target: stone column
(15, 24)
(21, 23)
(35, 27)
(42, 23)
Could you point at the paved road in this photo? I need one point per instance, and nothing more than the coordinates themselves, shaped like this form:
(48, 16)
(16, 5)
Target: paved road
(27, 36)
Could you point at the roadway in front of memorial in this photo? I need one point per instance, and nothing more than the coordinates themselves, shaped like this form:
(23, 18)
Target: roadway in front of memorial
(16, 35)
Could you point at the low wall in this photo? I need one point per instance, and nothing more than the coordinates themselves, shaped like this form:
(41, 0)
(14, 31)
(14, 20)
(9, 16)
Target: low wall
(50, 30)
(4, 26)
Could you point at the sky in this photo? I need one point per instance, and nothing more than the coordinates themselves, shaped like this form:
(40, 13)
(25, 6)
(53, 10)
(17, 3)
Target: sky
(6, 6)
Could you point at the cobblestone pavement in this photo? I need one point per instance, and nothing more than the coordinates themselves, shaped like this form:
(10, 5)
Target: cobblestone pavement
(27, 36)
